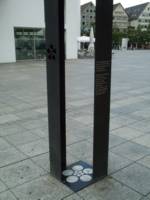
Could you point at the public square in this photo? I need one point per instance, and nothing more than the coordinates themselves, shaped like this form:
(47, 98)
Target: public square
(24, 151)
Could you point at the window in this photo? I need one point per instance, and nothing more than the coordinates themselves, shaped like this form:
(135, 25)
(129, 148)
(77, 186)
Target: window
(83, 16)
(30, 43)
(83, 23)
(91, 17)
(91, 11)
(87, 10)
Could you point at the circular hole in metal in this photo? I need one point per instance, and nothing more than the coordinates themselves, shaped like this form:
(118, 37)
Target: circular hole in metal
(77, 168)
(85, 178)
(78, 173)
(88, 171)
(72, 179)
(67, 172)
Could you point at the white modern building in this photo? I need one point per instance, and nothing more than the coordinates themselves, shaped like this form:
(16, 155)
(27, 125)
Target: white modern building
(22, 34)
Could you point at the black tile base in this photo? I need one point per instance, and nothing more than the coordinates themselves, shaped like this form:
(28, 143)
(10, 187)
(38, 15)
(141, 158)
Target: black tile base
(78, 177)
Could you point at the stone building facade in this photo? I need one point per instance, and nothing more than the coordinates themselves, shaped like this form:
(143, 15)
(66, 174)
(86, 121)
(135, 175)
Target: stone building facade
(139, 16)
(87, 17)
(120, 18)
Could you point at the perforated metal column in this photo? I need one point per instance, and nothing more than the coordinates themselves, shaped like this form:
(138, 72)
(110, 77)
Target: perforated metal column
(54, 15)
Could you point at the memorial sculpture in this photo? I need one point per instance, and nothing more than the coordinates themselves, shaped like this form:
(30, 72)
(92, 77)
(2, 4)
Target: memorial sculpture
(54, 16)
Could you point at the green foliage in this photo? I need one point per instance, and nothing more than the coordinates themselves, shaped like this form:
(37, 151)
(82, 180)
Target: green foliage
(137, 37)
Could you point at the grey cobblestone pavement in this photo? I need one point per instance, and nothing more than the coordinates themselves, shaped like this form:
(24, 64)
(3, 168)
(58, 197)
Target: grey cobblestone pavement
(24, 157)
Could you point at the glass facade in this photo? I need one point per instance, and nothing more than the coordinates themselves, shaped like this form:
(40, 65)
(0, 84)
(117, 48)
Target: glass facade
(30, 43)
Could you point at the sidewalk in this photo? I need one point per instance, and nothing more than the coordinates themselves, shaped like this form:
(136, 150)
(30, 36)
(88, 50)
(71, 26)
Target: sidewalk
(24, 157)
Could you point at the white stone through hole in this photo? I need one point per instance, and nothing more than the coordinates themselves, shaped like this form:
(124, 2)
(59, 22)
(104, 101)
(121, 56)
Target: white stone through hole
(68, 172)
(85, 178)
(72, 179)
(78, 173)
(77, 168)
(88, 171)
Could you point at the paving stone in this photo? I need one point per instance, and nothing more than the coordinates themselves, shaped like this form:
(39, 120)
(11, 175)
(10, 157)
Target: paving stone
(115, 140)
(42, 110)
(71, 158)
(81, 150)
(143, 140)
(145, 161)
(109, 189)
(46, 188)
(32, 124)
(4, 144)
(19, 173)
(73, 197)
(85, 119)
(2, 187)
(21, 138)
(131, 150)
(35, 148)
(145, 198)
(143, 126)
(8, 118)
(9, 129)
(117, 162)
(7, 196)
(71, 138)
(127, 133)
(41, 132)
(28, 114)
(43, 161)
(119, 122)
(10, 155)
(136, 177)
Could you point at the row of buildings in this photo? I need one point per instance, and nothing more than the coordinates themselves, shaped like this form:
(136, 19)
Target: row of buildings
(134, 16)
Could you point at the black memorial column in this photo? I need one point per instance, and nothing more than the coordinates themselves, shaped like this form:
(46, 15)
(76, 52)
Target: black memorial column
(103, 54)
(54, 16)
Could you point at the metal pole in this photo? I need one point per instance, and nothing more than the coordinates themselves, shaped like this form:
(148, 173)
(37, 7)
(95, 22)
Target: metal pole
(54, 17)
(103, 54)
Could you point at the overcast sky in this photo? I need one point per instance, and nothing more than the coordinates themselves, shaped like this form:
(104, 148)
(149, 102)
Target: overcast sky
(125, 3)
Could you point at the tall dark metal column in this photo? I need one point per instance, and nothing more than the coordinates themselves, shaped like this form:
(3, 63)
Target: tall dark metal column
(103, 54)
(54, 15)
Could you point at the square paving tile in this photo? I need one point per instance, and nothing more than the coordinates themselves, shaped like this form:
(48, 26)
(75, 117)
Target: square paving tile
(43, 161)
(41, 132)
(109, 189)
(7, 196)
(10, 155)
(73, 197)
(145, 161)
(4, 144)
(131, 150)
(136, 177)
(127, 133)
(143, 140)
(46, 188)
(143, 126)
(19, 173)
(21, 138)
(9, 129)
(2, 187)
(8, 118)
(81, 150)
(117, 162)
(35, 148)
(115, 140)
(145, 198)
